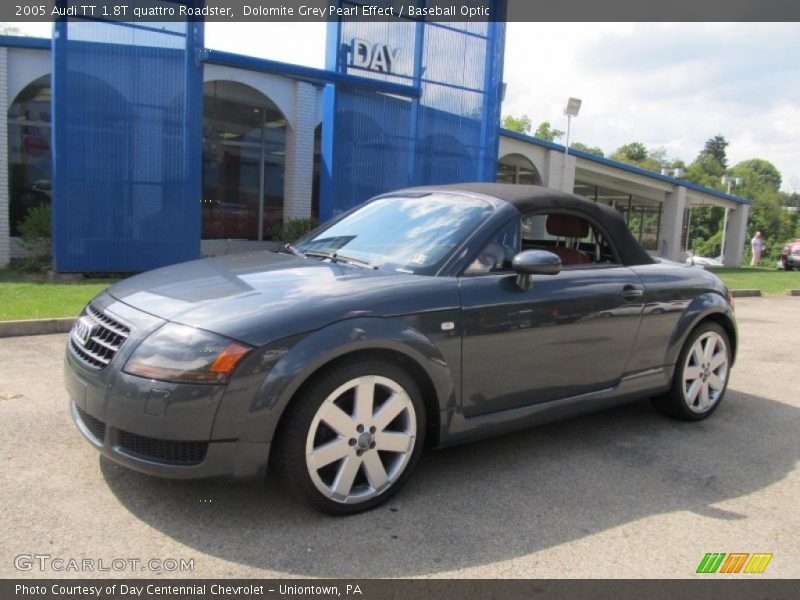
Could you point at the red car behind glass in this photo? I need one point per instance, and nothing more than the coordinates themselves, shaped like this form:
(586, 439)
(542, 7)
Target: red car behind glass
(790, 257)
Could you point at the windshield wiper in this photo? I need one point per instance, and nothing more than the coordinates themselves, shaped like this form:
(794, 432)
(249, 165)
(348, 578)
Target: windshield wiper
(354, 261)
(289, 249)
(336, 257)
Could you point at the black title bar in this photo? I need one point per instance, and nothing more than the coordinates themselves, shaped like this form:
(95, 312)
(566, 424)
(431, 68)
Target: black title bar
(710, 587)
(382, 10)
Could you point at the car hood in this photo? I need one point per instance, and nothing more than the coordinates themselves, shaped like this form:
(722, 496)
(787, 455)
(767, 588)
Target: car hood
(259, 297)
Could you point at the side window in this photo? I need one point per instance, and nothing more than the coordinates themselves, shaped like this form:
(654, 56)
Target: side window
(574, 239)
(498, 252)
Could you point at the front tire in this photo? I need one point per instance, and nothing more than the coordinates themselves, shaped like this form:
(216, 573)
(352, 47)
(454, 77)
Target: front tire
(701, 375)
(351, 438)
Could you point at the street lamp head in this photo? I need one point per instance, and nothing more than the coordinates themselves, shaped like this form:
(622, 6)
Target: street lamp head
(573, 106)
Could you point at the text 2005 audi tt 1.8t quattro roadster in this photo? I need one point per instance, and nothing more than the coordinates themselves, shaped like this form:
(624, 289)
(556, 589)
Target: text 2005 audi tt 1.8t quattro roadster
(425, 317)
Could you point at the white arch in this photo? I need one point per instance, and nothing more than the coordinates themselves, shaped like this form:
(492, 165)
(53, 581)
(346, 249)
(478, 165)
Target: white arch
(520, 160)
(278, 89)
(26, 65)
(535, 154)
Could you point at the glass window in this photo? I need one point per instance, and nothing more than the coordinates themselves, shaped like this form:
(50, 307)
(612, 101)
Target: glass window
(651, 226)
(411, 234)
(642, 216)
(515, 168)
(574, 239)
(498, 253)
(506, 173)
(244, 148)
(644, 222)
(29, 160)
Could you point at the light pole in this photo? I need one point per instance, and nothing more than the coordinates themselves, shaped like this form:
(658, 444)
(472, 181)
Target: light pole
(730, 182)
(572, 109)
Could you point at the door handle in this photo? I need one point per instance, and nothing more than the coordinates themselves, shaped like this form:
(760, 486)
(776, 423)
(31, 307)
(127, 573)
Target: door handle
(632, 292)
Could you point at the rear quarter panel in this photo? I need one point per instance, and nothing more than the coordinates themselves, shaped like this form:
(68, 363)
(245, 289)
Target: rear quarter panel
(677, 298)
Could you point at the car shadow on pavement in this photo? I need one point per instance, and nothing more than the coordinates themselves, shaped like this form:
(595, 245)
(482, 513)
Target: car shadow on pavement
(492, 500)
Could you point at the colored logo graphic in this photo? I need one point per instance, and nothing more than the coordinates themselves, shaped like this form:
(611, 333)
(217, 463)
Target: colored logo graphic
(734, 562)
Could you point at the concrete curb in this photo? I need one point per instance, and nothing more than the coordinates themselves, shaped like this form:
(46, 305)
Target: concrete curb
(745, 293)
(35, 327)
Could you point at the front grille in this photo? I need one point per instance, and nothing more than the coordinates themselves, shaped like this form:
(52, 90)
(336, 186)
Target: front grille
(95, 338)
(163, 451)
(96, 427)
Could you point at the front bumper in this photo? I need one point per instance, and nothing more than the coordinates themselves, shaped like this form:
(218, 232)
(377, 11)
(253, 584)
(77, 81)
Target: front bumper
(159, 428)
(173, 459)
(792, 260)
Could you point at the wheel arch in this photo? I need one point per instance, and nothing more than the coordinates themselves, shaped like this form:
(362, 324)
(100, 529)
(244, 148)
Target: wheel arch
(388, 339)
(724, 321)
(709, 307)
(421, 377)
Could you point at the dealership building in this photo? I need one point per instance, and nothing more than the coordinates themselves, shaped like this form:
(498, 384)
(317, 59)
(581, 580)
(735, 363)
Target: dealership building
(153, 149)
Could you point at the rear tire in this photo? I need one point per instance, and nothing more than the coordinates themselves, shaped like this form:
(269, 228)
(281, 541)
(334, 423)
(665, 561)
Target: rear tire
(350, 440)
(701, 375)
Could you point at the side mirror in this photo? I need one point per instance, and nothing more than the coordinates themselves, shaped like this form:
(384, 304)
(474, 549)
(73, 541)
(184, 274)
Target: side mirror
(534, 262)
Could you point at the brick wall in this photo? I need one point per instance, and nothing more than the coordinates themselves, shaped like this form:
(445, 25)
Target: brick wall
(299, 173)
(669, 246)
(553, 174)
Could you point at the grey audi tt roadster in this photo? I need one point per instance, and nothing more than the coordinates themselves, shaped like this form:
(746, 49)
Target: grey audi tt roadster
(423, 318)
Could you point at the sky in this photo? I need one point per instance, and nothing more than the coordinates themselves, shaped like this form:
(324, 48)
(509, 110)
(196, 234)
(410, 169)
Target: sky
(670, 85)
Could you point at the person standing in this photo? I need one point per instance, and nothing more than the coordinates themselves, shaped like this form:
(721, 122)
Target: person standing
(757, 246)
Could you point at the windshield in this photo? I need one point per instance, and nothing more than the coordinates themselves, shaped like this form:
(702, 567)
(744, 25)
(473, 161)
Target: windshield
(411, 234)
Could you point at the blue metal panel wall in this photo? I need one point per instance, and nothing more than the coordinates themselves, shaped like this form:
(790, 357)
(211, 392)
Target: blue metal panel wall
(374, 142)
(127, 109)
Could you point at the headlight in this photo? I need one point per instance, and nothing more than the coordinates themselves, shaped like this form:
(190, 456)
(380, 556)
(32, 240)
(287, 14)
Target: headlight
(181, 353)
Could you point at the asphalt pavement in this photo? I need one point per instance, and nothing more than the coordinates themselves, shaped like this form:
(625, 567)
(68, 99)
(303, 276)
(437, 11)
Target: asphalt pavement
(621, 493)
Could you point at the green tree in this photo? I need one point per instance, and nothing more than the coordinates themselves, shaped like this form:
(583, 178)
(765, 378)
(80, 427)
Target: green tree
(792, 199)
(706, 171)
(637, 154)
(588, 149)
(545, 132)
(36, 230)
(761, 186)
(519, 124)
(9, 29)
(717, 147)
(706, 223)
(631, 152)
(758, 170)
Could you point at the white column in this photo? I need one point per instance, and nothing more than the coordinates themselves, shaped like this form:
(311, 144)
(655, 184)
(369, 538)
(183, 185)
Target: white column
(553, 174)
(672, 210)
(736, 236)
(299, 173)
(5, 242)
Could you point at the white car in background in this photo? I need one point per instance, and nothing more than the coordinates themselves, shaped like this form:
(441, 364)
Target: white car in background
(704, 261)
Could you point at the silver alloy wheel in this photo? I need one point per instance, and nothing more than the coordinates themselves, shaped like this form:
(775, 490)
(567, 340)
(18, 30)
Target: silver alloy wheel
(705, 372)
(361, 439)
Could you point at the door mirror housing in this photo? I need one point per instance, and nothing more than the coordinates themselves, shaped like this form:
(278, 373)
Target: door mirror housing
(534, 262)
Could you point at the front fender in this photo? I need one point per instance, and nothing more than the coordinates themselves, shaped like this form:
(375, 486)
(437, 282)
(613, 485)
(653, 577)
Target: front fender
(256, 419)
(706, 305)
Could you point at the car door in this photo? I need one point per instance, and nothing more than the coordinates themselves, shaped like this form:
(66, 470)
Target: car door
(569, 334)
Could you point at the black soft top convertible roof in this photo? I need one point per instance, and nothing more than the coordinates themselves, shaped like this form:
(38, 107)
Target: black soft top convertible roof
(527, 198)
